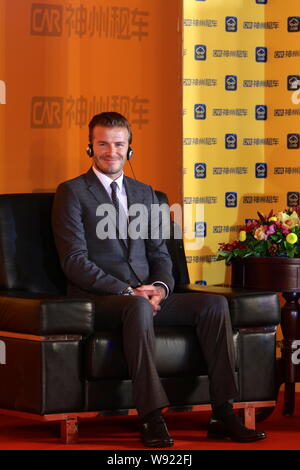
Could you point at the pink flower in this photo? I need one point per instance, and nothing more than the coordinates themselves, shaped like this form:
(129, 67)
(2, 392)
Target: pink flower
(270, 229)
(259, 234)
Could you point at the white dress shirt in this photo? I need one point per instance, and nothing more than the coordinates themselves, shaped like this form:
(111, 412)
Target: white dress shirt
(121, 193)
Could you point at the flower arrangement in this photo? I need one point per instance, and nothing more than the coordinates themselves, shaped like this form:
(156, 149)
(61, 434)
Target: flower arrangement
(272, 235)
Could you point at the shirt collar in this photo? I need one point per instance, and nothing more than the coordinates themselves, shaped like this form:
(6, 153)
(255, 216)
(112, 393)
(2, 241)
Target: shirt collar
(106, 180)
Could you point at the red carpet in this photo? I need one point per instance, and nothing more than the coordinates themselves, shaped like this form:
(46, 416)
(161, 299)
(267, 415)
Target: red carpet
(121, 433)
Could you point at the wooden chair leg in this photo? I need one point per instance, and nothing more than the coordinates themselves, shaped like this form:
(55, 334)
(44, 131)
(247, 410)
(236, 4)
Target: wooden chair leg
(249, 417)
(69, 430)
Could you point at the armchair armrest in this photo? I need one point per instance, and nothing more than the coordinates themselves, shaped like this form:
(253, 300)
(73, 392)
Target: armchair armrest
(46, 316)
(247, 308)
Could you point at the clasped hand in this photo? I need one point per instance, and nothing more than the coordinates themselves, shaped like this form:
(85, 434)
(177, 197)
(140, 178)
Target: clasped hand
(155, 294)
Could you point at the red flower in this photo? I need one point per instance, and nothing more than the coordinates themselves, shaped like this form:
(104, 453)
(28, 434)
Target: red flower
(283, 228)
(273, 249)
(232, 246)
(250, 225)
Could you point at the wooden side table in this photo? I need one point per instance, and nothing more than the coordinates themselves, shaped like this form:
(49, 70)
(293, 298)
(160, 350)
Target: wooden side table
(278, 275)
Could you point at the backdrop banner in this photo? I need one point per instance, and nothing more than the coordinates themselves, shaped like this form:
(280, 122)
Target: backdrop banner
(62, 61)
(240, 121)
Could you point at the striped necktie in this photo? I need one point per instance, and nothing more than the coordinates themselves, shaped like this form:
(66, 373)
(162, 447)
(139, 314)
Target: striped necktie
(122, 221)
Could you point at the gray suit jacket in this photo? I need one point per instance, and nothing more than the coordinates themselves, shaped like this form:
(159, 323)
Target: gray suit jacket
(106, 266)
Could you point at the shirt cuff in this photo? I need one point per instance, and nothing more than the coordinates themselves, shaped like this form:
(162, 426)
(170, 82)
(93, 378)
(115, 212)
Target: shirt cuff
(164, 285)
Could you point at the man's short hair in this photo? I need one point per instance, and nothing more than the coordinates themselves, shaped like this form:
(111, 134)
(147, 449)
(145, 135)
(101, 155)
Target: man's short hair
(109, 119)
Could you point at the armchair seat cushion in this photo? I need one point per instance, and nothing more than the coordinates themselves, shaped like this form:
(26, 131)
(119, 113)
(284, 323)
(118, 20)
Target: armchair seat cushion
(178, 354)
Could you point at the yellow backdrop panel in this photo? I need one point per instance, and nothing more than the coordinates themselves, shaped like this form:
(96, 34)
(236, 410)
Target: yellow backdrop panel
(283, 102)
(234, 139)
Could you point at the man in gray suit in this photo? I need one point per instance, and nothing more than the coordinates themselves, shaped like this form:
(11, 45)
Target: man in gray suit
(130, 280)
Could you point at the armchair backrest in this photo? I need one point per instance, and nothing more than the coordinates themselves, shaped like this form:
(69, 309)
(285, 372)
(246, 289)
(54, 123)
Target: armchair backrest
(176, 249)
(28, 257)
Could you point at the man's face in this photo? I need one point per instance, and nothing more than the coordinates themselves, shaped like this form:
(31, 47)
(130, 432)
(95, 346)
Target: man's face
(110, 149)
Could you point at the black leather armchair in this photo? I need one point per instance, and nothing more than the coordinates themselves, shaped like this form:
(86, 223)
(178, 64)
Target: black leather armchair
(54, 366)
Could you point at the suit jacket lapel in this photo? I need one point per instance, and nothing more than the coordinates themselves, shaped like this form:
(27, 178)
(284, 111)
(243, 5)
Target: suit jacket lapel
(99, 192)
(96, 188)
(134, 196)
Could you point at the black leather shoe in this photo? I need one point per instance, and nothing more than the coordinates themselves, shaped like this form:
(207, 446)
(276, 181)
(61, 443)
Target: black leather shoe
(233, 429)
(155, 433)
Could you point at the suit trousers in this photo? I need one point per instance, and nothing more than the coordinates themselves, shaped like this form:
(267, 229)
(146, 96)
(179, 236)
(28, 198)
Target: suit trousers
(208, 313)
